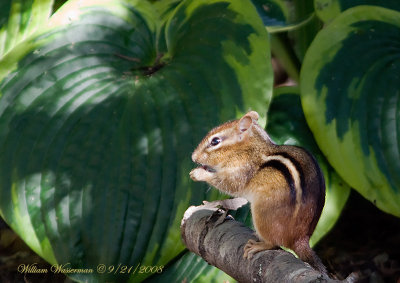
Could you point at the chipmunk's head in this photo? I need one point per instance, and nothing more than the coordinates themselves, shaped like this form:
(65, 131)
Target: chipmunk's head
(224, 147)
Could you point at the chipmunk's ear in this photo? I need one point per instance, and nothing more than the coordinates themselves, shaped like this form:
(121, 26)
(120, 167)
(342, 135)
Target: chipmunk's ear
(247, 120)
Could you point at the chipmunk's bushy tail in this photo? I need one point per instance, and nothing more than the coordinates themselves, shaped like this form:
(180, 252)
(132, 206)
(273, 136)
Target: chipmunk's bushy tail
(303, 250)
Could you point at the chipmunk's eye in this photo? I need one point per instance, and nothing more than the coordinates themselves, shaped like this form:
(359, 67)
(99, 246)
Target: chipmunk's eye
(215, 141)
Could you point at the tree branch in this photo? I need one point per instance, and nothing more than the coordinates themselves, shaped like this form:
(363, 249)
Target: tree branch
(219, 239)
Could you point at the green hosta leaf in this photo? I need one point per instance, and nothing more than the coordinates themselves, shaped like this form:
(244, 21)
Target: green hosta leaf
(190, 268)
(350, 95)
(166, 7)
(19, 19)
(327, 10)
(273, 13)
(97, 128)
(287, 125)
(299, 20)
(302, 36)
(280, 15)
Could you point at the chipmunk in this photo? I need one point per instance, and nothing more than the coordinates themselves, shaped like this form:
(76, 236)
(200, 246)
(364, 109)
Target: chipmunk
(284, 184)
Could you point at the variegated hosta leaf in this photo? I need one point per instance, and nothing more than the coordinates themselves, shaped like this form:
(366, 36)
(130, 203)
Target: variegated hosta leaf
(327, 10)
(190, 268)
(19, 19)
(97, 127)
(350, 94)
(287, 125)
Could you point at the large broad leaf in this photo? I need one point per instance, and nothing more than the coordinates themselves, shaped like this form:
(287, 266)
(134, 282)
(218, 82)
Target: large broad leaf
(350, 95)
(190, 268)
(19, 19)
(287, 125)
(97, 127)
(327, 10)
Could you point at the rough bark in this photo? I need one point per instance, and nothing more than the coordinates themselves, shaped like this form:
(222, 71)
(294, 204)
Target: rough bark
(215, 236)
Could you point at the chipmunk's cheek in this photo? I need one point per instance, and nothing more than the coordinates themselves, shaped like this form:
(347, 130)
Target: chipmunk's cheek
(200, 174)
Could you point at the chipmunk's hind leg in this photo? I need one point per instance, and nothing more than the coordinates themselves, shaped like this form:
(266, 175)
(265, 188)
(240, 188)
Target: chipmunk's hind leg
(254, 246)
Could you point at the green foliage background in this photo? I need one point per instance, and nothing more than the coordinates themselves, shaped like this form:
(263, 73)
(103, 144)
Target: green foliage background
(102, 102)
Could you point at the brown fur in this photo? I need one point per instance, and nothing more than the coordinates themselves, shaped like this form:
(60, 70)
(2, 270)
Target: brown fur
(246, 163)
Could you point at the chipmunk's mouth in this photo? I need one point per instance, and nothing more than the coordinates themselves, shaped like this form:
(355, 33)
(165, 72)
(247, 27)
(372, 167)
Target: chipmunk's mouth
(208, 168)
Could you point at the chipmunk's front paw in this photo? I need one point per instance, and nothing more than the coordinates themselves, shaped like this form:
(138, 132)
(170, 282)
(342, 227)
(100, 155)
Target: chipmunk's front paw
(252, 247)
(201, 174)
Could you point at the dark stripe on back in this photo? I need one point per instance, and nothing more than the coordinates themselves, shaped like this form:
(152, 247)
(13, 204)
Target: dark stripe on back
(278, 165)
(299, 169)
(321, 191)
(321, 183)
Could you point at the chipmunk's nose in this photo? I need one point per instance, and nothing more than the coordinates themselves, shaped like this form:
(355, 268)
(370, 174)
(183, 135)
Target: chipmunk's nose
(194, 157)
